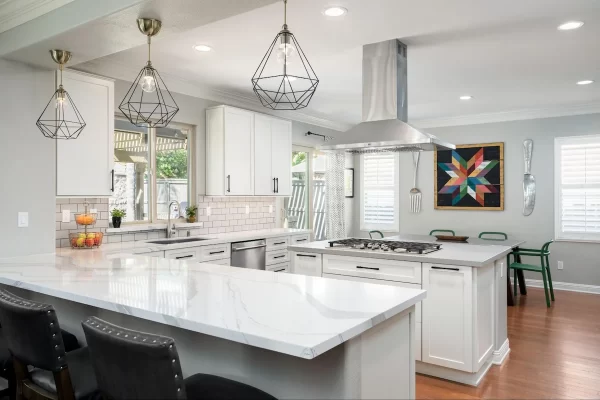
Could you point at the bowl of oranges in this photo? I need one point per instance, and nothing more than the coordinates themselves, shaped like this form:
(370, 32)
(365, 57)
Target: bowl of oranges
(85, 219)
(83, 240)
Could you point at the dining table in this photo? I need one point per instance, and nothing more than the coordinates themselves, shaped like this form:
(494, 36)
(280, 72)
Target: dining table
(512, 243)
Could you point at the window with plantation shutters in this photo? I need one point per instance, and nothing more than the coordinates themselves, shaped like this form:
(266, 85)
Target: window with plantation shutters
(577, 186)
(379, 196)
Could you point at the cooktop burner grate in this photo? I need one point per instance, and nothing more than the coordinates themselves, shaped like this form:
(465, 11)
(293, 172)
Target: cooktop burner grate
(387, 245)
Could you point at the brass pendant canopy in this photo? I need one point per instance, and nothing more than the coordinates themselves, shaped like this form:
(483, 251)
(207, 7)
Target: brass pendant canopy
(61, 119)
(148, 102)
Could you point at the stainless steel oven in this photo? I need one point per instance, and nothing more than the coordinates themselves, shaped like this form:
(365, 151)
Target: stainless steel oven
(251, 254)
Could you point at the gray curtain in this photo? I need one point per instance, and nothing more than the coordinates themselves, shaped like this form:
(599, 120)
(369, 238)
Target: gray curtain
(334, 184)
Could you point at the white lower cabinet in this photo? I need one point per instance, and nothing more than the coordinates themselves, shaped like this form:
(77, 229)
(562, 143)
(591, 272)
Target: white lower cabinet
(283, 267)
(458, 316)
(418, 313)
(202, 253)
(306, 264)
(183, 254)
(158, 254)
(225, 261)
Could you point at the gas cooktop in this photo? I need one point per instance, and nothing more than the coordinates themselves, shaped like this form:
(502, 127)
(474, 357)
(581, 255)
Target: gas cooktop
(387, 245)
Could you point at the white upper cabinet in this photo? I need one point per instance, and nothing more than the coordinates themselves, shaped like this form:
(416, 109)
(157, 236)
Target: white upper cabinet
(247, 153)
(273, 156)
(84, 166)
(229, 152)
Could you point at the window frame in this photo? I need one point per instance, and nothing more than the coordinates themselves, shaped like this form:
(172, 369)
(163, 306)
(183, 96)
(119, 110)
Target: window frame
(395, 226)
(559, 235)
(192, 195)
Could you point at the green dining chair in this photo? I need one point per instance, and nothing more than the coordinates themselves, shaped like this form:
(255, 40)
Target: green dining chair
(377, 232)
(544, 268)
(490, 236)
(442, 230)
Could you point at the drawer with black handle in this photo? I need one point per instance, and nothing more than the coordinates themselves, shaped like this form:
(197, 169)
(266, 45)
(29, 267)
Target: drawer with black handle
(283, 268)
(278, 243)
(374, 268)
(277, 257)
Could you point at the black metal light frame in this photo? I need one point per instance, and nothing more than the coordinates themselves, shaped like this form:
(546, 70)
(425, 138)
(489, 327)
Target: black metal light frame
(158, 112)
(285, 97)
(59, 127)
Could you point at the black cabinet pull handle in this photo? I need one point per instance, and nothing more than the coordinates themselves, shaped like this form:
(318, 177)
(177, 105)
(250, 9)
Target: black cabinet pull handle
(179, 258)
(112, 177)
(447, 269)
(279, 256)
(278, 243)
(274, 189)
(372, 268)
(228, 183)
(216, 252)
(306, 255)
(279, 270)
(300, 240)
(277, 181)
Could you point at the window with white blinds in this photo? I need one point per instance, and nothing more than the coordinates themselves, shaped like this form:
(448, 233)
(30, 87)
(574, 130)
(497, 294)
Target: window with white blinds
(379, 197)
(577, 186)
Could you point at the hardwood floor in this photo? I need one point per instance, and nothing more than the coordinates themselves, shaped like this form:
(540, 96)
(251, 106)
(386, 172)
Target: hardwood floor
(555, 353)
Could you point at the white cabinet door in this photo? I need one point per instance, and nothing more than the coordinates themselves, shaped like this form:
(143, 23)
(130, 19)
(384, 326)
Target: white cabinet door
(239, 150)
(448, 316)
(306, 264)
(264, 181)
(191, 254)
(273, 156)
(84, 166)
(281, 148)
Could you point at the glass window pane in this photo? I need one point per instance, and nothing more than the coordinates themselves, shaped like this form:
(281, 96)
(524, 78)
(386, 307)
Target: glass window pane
(131, 171)
(296, 206)
(172, 171)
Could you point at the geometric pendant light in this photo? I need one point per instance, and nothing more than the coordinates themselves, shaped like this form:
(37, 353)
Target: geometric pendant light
(148, 103)
(284, 79)
(60, 119)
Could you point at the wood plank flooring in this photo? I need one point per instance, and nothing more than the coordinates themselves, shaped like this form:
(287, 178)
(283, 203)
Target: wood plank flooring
(555, 353)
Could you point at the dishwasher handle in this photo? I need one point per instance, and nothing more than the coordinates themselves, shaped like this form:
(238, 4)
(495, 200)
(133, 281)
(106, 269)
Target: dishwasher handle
(248, 248)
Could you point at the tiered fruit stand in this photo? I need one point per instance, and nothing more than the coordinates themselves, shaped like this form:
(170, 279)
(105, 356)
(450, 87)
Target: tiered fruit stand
(86, 239)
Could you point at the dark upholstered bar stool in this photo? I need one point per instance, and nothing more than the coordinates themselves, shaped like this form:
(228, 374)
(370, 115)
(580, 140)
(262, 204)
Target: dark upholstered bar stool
(136, 365)
(34, 339)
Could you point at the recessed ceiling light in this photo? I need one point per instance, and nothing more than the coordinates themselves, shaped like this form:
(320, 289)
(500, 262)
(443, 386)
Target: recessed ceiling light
(202, 47)
(335, 11)
(567, 26)
(586, 82)
(467, 97)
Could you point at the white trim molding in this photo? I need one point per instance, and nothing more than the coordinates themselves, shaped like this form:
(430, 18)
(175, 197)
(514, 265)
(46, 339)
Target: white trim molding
(569, 287)
(467, 378)
(506, 116)
(16, 12)
(501, 354)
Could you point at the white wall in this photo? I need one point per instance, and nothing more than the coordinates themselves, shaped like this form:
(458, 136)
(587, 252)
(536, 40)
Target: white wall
(27, 161)
(581, 263)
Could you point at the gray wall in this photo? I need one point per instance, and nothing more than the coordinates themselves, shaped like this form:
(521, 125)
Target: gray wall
(581, 261)
(27, 161)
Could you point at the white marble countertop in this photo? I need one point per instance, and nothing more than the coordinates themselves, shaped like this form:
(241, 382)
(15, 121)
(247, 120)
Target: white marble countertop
(296, 315)
(471, 255)
(144, 246)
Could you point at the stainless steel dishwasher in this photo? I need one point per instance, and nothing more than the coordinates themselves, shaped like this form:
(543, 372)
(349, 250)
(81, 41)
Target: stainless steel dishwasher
(251, 254)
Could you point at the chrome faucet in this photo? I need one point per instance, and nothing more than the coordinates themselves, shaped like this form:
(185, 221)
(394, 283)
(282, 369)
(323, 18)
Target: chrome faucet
(171, 229)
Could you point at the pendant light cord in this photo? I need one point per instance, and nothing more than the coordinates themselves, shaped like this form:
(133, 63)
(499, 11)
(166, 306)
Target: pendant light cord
(149, 40)
(60, 68)
(285, 14)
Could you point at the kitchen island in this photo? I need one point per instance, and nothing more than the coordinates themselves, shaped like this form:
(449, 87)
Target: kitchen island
(291, 336)
(461, 326)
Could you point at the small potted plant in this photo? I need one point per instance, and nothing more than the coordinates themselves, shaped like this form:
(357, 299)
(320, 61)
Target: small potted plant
(190, 213)
(117, 216)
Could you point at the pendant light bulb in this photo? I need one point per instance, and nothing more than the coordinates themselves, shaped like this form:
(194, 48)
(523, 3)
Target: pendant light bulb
(148, 83)
(285, 53)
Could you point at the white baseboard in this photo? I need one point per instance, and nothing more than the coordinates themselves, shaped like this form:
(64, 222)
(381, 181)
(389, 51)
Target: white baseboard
(571, 287)
(501, 354)
(471, 379)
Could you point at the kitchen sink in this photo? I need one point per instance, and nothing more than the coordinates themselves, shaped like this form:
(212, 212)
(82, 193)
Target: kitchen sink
(174, 241)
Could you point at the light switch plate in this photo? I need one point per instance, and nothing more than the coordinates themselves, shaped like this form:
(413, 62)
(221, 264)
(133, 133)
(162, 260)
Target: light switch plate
(247, 209)
(270, 208)
(66, 215)
(208, 211)
(23, 219)
(560, 265)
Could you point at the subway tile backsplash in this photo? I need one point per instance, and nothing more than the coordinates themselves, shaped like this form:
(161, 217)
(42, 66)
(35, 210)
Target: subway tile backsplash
(227, 214)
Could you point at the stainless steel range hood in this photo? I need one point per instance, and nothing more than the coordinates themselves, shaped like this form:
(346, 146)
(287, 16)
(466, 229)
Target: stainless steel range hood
(385, 107)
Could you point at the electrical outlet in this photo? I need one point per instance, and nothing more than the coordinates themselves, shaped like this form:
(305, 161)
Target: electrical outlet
(560, 265)
(208, 211)
(270, 208)
(247, 209)
(66, 217)
(23, 219)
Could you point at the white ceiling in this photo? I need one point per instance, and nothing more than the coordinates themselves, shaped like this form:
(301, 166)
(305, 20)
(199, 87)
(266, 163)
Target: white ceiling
(507, 54)
(16, 12)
